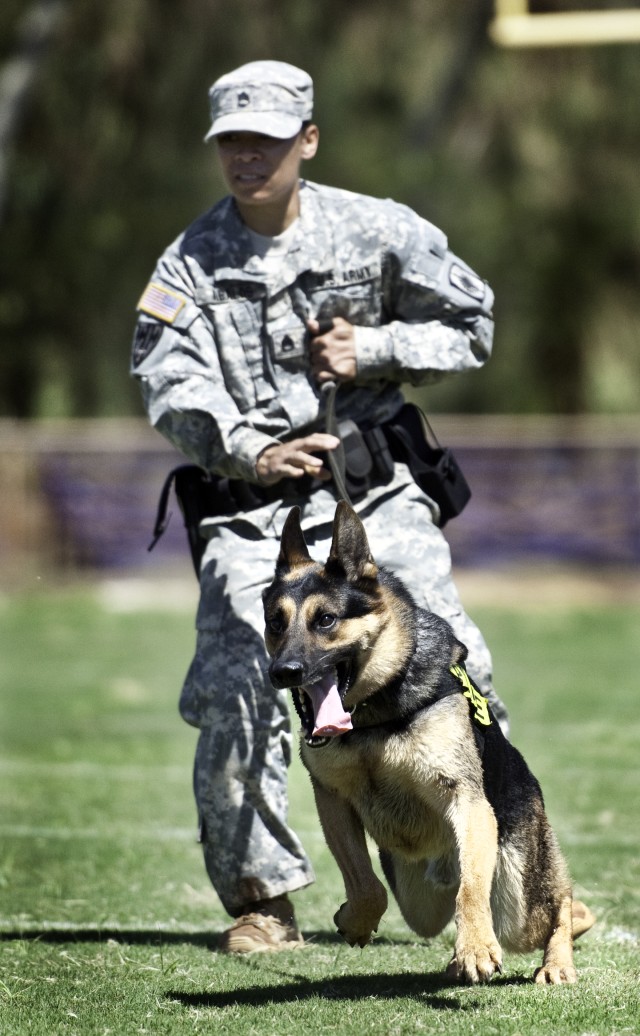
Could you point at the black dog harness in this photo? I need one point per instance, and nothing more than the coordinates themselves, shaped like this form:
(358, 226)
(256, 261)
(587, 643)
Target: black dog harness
(461, 683)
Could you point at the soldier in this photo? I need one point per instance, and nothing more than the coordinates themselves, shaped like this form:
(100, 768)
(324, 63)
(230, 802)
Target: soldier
(283, 287)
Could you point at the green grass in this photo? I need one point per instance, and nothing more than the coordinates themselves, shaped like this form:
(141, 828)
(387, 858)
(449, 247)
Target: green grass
(108, 924)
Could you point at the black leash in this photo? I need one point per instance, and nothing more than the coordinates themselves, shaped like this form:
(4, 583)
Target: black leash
(336, 458)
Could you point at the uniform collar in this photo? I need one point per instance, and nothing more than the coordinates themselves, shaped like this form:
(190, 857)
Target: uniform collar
(311, 247)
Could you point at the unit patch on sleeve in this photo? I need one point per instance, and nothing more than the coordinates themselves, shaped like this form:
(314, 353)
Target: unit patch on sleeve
(146, 338)
(161, 303)
(467, 282)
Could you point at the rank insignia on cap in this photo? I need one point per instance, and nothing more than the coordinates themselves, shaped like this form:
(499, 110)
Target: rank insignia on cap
(467, 282)
(158, 302)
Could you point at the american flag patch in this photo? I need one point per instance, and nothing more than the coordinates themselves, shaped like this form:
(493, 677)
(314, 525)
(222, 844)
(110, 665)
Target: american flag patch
(161, 303)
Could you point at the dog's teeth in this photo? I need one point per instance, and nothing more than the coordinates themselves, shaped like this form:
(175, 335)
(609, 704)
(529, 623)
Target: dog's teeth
(317, 742)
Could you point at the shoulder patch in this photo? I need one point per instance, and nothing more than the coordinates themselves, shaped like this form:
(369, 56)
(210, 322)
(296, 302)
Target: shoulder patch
(161, 303)
(146, 338)
(467, 282)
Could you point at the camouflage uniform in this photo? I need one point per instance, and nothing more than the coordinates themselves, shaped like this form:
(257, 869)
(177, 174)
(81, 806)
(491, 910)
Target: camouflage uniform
(220, 352)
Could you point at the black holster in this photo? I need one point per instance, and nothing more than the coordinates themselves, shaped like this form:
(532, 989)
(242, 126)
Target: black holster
(433, 467)
(200, 495)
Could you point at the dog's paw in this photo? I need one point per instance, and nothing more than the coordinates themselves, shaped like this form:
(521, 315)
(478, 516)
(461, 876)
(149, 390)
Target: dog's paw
(475, 964)
(356, 927)
(553, 975)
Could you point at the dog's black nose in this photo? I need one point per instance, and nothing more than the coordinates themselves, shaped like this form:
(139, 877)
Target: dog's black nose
(286, 674)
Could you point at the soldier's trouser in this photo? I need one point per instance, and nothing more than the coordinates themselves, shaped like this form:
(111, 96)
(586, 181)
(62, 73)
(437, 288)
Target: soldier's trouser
(245, 740)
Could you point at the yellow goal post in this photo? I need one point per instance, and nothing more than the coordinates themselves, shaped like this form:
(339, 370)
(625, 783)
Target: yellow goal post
(514, 25)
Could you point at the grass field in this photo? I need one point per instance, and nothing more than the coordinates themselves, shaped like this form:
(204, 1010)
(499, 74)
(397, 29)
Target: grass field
(108, 925)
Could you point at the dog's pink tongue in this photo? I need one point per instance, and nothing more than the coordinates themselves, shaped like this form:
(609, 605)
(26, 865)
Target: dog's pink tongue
(330, 718)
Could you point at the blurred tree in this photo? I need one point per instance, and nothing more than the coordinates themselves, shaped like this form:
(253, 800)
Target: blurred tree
(539, 169)
(528, 160)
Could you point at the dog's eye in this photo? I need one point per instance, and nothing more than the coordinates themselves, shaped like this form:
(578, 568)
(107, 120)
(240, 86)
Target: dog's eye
(326, 621)
(275, 626)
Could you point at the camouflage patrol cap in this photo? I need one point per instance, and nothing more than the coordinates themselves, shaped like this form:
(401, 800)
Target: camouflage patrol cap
(269, 97)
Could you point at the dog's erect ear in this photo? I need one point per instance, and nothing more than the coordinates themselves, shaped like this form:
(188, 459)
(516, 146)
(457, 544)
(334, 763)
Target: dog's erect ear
(458, 652)
(293, 549)
(350, 548)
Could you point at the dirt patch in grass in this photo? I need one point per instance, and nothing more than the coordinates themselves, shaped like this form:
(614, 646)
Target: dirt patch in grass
(548, 586)
(524, 586)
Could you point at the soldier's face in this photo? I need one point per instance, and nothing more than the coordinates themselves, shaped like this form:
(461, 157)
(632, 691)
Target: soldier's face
(261, 170)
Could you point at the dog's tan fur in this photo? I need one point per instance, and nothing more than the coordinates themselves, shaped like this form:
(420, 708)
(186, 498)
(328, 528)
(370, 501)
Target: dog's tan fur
(415, 785)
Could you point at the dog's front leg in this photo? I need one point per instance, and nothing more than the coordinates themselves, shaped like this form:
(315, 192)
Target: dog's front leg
(477, 952)
(358, 918)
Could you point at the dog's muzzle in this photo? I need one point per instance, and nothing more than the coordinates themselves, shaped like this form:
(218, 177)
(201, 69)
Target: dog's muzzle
(317, 702)
(286, 675)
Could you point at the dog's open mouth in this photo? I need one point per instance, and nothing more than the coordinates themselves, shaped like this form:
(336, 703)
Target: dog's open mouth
(319, 706)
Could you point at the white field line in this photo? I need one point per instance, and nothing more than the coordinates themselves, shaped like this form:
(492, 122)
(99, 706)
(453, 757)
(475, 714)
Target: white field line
(606, 838)
(135, 832)
(110, 832)
(129, 832)
(95, 771)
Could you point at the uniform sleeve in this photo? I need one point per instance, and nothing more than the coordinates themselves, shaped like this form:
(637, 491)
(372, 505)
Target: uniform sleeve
(439, 311)
(183, 389)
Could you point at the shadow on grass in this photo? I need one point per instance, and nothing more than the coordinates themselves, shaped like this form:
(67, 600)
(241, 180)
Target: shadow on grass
(417, 986)
(139, 936)
(133, 937)
(421, 986)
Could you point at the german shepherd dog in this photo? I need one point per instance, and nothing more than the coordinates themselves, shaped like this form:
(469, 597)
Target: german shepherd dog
(400, 744)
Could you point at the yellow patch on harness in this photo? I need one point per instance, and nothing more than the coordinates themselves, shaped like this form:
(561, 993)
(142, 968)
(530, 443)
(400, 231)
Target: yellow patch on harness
(477, 699)
(159, 302)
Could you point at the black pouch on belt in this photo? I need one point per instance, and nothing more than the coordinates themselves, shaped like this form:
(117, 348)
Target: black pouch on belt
(367, 457)
(433, 467)
(357, 458)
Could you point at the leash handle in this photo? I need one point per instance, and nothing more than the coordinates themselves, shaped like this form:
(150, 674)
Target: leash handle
(336, 458)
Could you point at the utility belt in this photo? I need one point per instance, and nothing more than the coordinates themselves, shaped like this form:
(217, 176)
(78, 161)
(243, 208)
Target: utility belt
(369, 457)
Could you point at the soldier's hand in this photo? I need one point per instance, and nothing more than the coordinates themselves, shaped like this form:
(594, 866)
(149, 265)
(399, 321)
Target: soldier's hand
(332, 353)
(295, 458)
